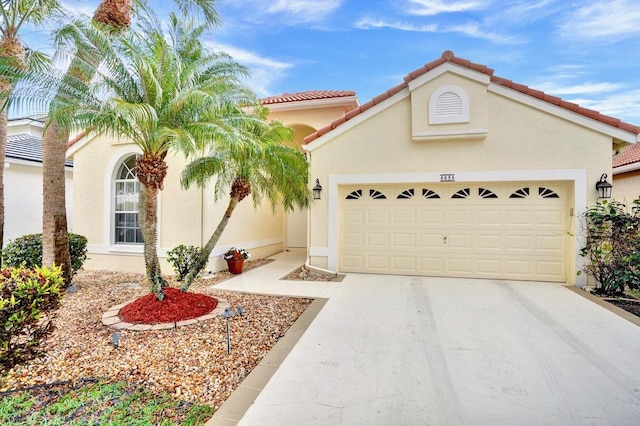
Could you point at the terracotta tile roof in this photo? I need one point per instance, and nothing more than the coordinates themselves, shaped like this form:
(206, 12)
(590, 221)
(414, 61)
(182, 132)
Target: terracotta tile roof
(448, 56)
(26, 147)
(628, 155)
(311, 95)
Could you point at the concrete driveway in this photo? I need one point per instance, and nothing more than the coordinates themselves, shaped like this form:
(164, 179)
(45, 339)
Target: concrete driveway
(392, 350)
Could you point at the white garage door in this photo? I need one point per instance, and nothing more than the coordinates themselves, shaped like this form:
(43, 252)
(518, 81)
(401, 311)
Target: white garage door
(481, 230)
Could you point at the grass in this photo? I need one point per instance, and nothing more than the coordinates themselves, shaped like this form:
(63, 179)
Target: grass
(97, 402)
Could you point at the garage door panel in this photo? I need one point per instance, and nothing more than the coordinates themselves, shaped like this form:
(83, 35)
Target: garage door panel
(489, 218)
(378, 240)
(405, 217)
(550, 217)
(377, 217)
(352, 217)
(489, 242)
(405, 241)
(514, 234)
(432, 217)
(431, 241)
(461, 217)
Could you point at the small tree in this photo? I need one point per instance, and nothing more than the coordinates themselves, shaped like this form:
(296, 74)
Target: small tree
(613, 246)
(256, 164)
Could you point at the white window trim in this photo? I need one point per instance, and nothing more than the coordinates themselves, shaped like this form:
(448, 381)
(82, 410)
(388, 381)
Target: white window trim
(110, 200)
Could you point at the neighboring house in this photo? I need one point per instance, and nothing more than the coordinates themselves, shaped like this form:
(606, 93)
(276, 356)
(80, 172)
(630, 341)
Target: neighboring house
(106, 196)
(23, 180)
(456, 172)
(626, 175)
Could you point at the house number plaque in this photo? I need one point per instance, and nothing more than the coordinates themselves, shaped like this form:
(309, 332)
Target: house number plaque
(448, 177)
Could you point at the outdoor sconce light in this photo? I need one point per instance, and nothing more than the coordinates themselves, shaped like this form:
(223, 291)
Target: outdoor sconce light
(317, 190)
(603, 187)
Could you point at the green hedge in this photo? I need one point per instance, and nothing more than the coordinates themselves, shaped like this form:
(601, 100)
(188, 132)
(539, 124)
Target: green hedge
(27, 251)
(26, 295)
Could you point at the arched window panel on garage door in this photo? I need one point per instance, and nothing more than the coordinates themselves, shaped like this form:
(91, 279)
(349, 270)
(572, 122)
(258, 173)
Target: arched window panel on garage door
(354, 195)
(407, 194)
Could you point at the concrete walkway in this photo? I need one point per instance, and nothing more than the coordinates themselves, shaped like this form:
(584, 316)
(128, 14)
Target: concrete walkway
(392, 350)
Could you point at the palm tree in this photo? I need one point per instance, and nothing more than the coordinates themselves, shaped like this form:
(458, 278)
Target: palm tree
(14, 14)
(257, 164)
(114, 16)
(166, 93)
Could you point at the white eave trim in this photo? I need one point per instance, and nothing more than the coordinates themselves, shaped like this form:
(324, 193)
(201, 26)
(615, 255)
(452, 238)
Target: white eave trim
(348, 102)
(449, 67)
(626, 168)
(574, 117)
(451, 134)
(79, 144)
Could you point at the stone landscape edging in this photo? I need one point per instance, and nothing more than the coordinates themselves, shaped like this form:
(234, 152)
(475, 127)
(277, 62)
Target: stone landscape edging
(111, 319)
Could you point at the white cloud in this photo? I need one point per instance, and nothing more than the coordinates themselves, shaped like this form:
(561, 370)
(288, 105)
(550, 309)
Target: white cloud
(369, 23)
(264, 71)
(286, 12)
(623, 105)
(476, 30)
(435, 7)
(613, 20)
(580, 89)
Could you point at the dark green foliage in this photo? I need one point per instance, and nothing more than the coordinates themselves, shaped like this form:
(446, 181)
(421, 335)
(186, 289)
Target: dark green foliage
(183, 258)
(613, 246)
(27, 251)
(25, 295)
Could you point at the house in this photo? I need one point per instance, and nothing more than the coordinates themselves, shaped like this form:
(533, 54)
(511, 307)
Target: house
(454, 172)
(23, 179)
(106, 196)
(626, 175)
(457, 172)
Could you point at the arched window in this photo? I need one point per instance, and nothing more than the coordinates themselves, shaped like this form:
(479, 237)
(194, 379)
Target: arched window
(127, 192)
(448, 104)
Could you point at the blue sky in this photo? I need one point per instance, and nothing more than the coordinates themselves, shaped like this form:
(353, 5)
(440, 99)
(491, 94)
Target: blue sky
(584, 51)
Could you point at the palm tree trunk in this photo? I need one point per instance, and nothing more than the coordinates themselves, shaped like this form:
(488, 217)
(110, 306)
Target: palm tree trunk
(203, 258)
(3, 155)
(55, 240)
(149, 226)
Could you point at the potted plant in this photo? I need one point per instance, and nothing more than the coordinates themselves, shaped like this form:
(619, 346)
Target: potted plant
(235, 258)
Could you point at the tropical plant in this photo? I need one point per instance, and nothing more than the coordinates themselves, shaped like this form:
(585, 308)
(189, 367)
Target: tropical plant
(112, 16)
(27, 251)
(14, 14)
(25, 295)
(613, 246)
(164, 92)
(181, 258)
(257, 163)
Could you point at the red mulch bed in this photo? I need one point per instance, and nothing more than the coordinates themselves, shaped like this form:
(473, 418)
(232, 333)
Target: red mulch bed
(176, 306)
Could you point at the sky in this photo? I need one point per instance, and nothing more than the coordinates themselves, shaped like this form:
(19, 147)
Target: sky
(584, 51)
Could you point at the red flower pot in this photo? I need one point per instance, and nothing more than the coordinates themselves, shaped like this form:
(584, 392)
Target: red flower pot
(235, 265)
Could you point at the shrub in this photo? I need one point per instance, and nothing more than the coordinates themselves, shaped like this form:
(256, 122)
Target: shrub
(27, 251)
(25, 296)
(182, 258)
(613, 246)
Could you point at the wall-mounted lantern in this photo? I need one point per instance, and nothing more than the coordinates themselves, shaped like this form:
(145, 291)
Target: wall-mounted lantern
(603, 187)
(317, 190)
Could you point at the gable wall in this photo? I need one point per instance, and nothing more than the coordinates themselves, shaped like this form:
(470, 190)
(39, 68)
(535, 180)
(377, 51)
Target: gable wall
(522, 143)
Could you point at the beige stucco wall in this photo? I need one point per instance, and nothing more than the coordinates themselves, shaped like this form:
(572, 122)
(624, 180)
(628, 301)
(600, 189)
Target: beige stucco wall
(626, 187)
(522, 141)
(185, 216)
